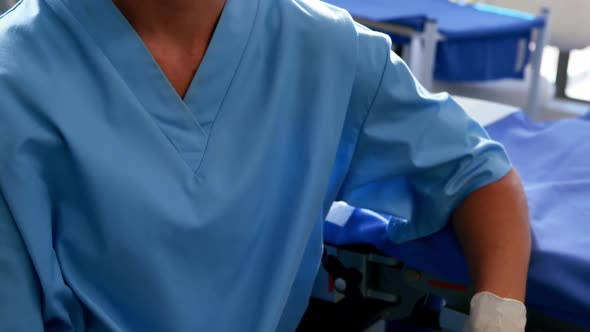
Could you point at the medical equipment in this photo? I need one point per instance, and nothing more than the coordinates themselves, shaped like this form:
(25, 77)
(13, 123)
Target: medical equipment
(456, 43)
(399, 277)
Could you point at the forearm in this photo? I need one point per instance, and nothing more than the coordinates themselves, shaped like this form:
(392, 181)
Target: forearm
(493, 229)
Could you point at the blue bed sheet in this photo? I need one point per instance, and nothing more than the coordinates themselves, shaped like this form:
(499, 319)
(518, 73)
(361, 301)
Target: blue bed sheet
(554, 162)
(481, 42)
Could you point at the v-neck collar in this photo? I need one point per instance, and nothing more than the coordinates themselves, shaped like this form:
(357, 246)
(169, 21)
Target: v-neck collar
(187, 123)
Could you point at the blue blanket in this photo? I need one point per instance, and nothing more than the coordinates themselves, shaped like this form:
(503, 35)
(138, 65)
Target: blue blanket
(553, 160)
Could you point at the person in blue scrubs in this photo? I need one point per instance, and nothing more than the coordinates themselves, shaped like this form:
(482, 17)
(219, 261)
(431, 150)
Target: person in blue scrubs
(166, 165)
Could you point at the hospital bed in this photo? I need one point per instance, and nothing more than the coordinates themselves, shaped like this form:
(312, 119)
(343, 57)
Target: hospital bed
(459, 43)
(372, 279)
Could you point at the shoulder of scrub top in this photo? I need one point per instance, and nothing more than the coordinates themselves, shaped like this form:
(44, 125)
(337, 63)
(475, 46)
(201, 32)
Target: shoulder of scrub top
(324, 29)
(32, 43)
(31, 40)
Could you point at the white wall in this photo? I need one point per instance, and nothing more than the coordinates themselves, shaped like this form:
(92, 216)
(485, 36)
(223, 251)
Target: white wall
(569, 19)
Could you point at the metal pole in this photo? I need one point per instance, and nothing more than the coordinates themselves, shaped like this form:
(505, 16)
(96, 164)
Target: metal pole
(411, 55)
(561, 75)
(429, 57)
(537, 57)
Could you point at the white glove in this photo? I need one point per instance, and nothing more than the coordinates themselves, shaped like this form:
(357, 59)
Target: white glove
(490, 313)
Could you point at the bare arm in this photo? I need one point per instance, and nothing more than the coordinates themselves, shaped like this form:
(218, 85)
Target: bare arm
(492, 225)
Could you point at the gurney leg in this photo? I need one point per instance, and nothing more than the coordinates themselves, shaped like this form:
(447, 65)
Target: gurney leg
(420, 54)
(430, 43)
(412, 55)
(541, 38)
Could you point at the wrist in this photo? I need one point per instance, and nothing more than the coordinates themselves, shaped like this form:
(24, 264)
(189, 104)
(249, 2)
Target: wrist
(501, 288)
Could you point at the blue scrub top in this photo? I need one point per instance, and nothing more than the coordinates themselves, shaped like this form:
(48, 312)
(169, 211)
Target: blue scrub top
(126, 208)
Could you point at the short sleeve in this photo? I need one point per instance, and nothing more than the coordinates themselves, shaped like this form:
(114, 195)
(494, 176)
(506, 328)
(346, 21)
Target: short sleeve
(418, 155)
(20, 303)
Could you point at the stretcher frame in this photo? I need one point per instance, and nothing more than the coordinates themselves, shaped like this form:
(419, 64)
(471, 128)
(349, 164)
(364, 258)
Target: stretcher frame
(396, 290)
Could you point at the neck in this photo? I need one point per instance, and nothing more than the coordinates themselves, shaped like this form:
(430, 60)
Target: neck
(188, 22)
(176, 32)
